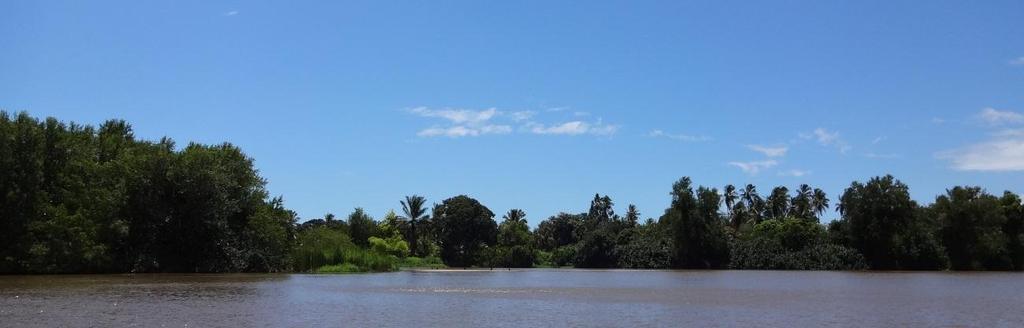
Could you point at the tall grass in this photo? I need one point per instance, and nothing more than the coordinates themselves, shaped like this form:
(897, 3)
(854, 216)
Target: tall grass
(324, 250)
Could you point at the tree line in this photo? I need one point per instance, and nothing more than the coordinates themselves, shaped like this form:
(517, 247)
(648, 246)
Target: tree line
(74, 198)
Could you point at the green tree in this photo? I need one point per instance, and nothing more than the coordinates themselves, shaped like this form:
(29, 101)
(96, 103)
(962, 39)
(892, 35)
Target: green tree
(874, 217)
(515, 242)
(778, 203)
(971, 229)
(361, 227)
(463, 227)
(698, 238)
(558, 231)
(415, 214)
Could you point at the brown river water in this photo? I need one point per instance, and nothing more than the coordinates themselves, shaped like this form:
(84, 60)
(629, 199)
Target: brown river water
(522, 298)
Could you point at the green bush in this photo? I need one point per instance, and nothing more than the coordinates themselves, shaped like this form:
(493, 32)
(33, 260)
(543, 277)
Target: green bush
(564, 256)
(392, 246)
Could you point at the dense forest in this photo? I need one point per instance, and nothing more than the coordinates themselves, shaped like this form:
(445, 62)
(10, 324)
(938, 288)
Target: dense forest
(75, 199)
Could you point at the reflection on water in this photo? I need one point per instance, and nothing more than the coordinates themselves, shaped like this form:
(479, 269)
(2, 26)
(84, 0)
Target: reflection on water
(517, 298)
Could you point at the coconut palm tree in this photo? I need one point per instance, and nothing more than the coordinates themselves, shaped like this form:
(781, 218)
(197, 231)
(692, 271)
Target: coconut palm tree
(515, 215)
(730, 196)
(753, 202)
(802, 202)
(819, 201)
(415, 210)
(778, 202)
(632, 215)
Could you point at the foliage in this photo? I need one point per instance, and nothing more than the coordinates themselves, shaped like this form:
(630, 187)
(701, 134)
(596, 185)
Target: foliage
(416, 223)
(874, 215)
(698, 236)
(463, 227)
(972, 223)
(646, 247)
(430, 262)
(792, 244)
(74, 198)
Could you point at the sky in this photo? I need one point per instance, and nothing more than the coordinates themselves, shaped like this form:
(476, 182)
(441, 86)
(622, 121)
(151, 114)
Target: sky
(540, 105)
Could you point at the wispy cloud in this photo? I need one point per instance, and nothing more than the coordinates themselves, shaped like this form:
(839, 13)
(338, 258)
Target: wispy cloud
(993, 155)
(994, 116)
(1004, 151)
(770, 151)
(881, 156)
(231, 13)
(463, 131)
(574, 128)
(471, 123)
(458, 116)
(1019, 61)
(570, 128)
(938, 120)
(680, 137)
(828, 138)
(754, 167)
(878, 139)
(793, 173)
(522, 115)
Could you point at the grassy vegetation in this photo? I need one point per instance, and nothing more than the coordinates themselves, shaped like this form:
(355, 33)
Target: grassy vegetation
(430, 262)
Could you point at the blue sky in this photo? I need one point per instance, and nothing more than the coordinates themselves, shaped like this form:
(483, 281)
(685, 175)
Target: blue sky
(539, 105)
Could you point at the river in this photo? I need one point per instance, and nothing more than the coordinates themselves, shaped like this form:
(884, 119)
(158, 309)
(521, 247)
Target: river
(519, 298)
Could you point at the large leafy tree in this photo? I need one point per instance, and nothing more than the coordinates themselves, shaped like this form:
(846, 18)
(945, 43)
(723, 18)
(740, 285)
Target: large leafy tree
(74, 198)
(698, 238)
(875, 214)
(558, 231)
(972, 229)
(463, 227)
(515, 242)
(414, 210)
(361, 227)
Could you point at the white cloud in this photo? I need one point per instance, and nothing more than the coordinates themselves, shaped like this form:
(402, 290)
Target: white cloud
(880, 156)
(458, 116)
(569, 128)
(825, 137)
(471, 123)
(828, 138)
(231, 13)
(793, 173)
(993, 116)
(681, 137)
(993, 155)
(1009, 133)
(878, 139)
(464, 131)
(557, 109)
(522, 115)
(938, 120)
(770, 151)
(1019, 61)
(754, 167)
(601, 129)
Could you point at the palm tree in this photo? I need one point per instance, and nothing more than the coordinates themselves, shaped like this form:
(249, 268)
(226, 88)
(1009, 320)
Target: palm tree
(515, 215)
(778, 202)
(415, 213)
(753, 201)
(819, 202)
(802, 202)
(730, 197)
(632, 215)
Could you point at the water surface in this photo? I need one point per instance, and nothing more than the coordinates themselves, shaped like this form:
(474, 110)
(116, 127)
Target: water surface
(533, 298)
